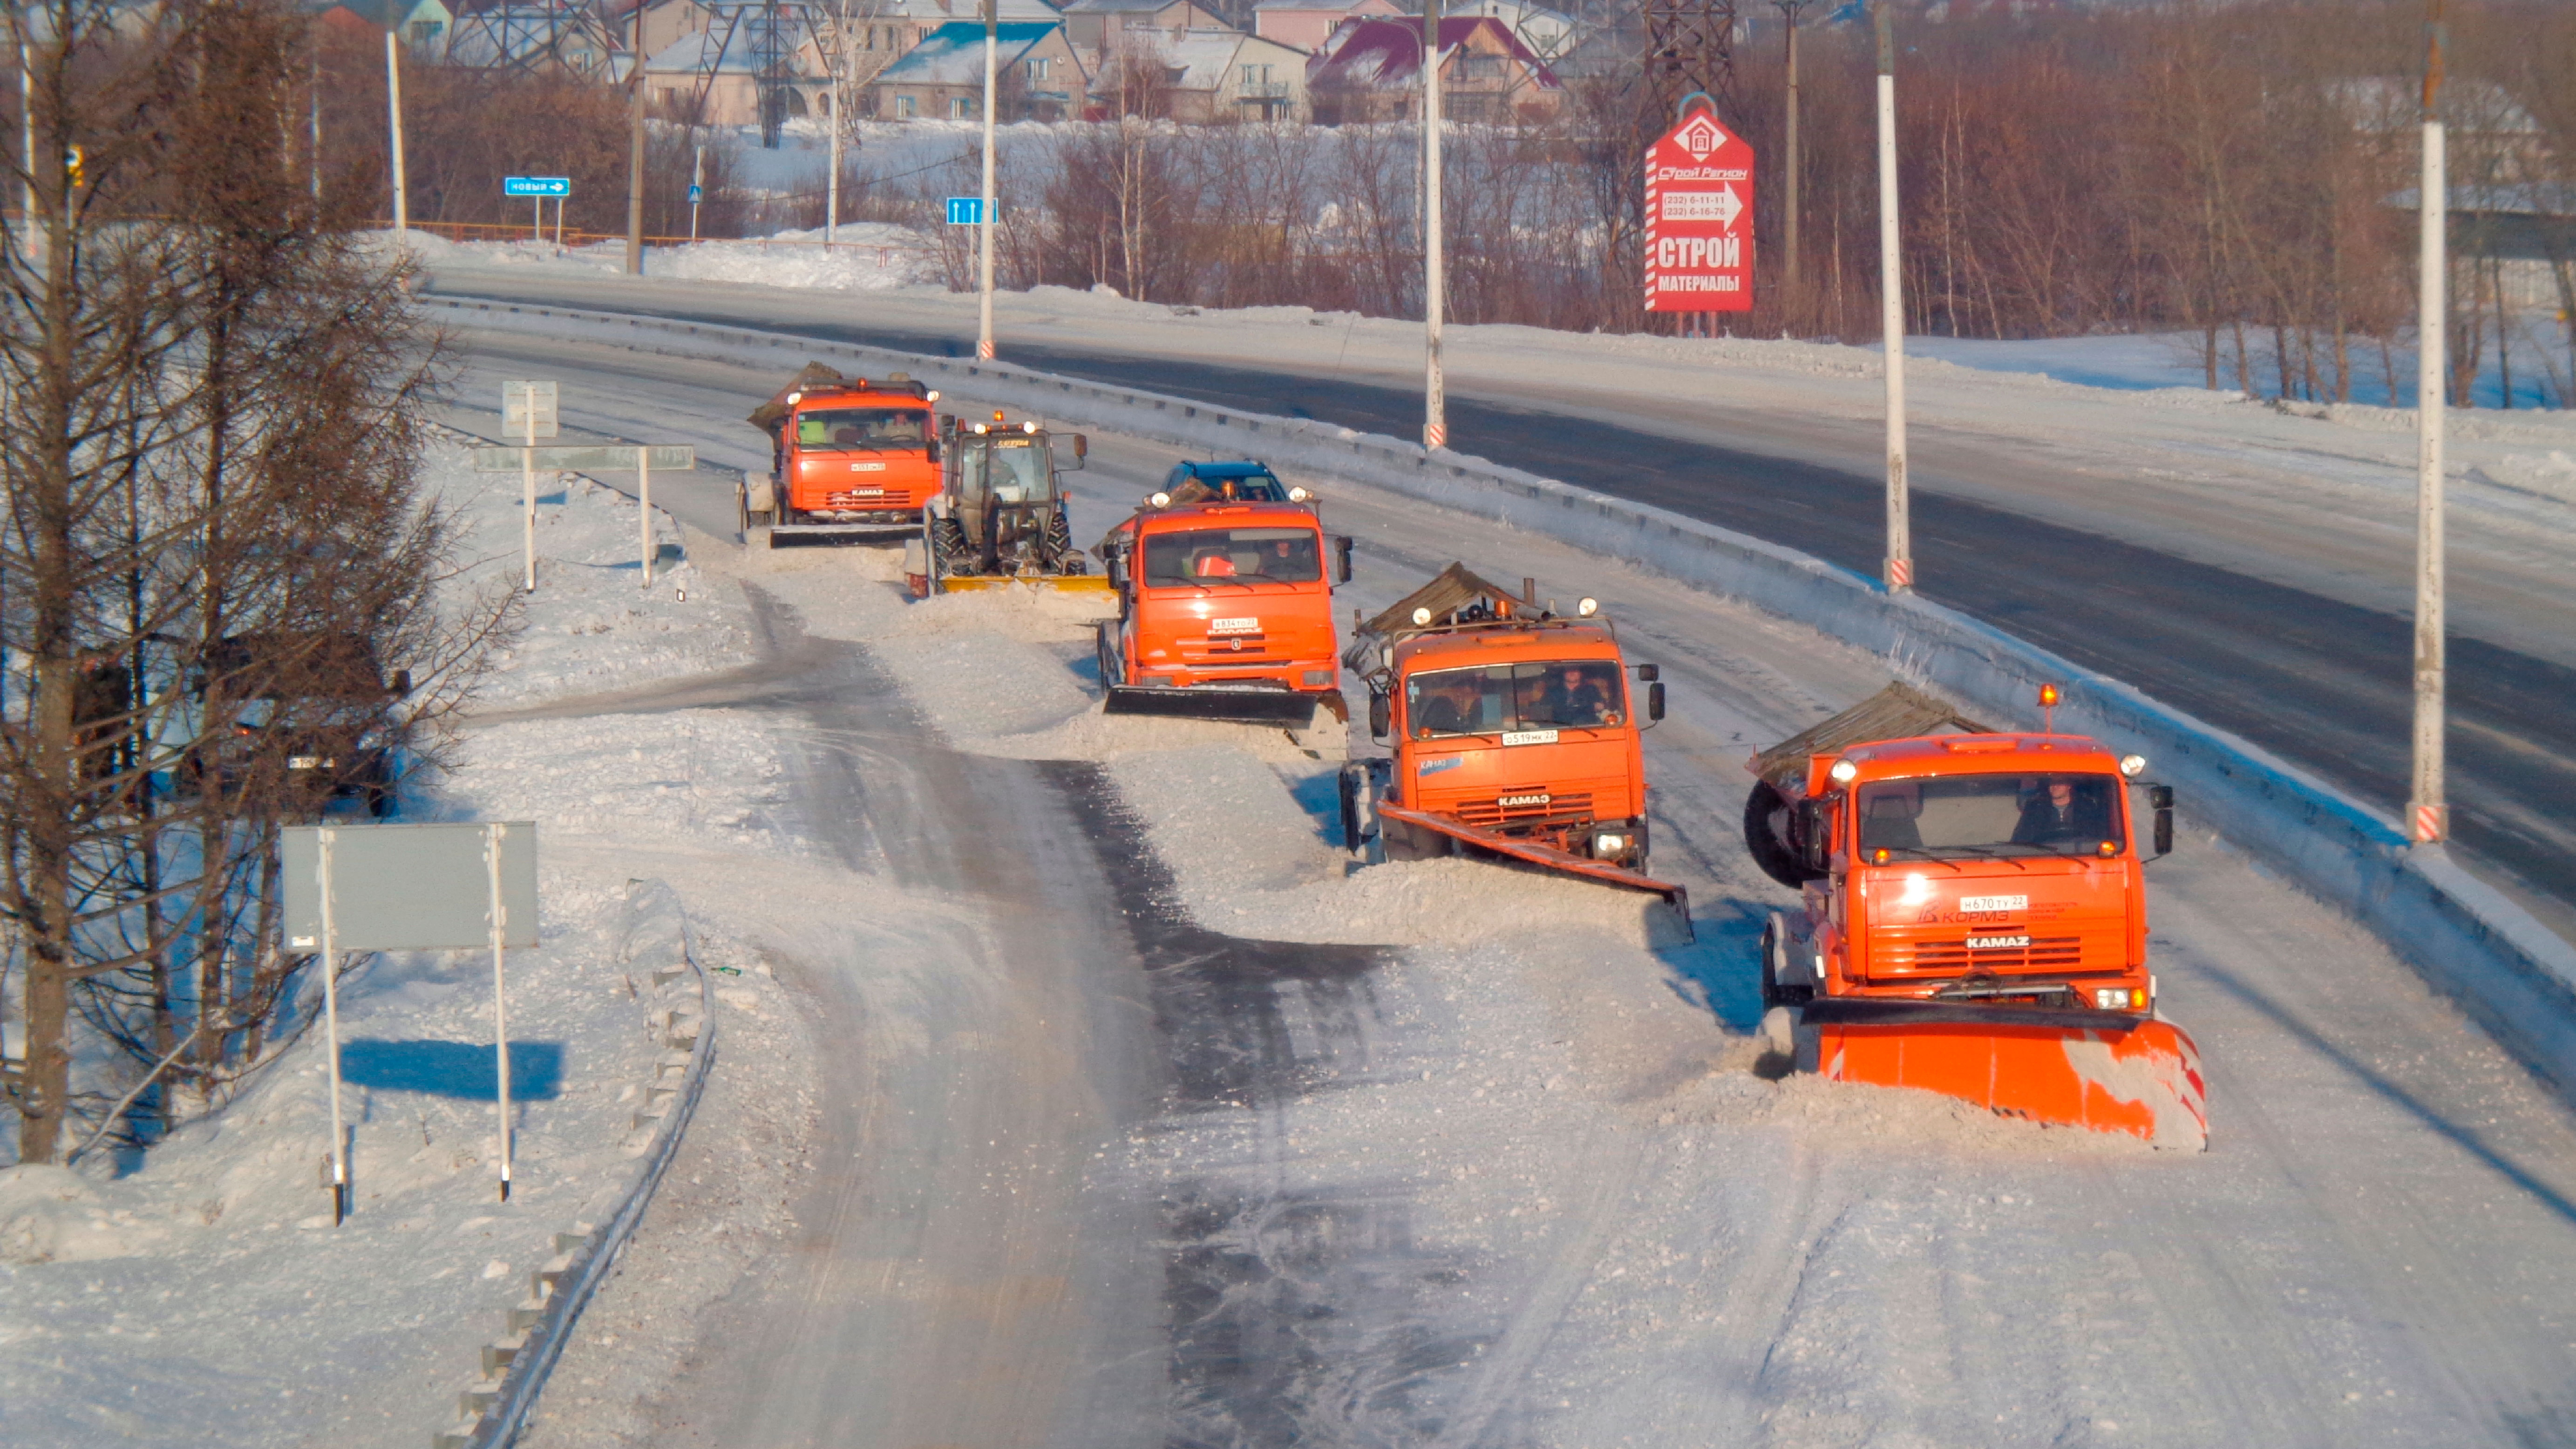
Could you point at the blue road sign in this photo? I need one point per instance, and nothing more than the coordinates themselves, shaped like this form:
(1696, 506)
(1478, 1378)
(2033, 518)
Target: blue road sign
(696, 192)
(965, 211)
(536, 186)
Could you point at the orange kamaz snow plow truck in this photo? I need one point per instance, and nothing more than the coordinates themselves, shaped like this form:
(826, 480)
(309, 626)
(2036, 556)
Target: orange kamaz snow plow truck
(1975, 918)
(1512, 731)
(853, 459)
(1224, 612)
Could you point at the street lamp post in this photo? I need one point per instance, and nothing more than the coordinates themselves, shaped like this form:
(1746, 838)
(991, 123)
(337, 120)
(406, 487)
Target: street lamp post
(1899, 572)
(984, 306)
(1435, 279)
(2428, 812)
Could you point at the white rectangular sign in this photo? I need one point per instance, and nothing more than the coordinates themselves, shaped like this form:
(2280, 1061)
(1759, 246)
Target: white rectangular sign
(1994, 903)
(521, 399)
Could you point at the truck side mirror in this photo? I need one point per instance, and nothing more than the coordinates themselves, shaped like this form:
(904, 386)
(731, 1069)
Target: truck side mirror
(1654, 699)
(1815, 837)
(1342, 557)
(1649, 673)
(1081, 445)
(2161, 798)
(1378, 715)
(1118, 569)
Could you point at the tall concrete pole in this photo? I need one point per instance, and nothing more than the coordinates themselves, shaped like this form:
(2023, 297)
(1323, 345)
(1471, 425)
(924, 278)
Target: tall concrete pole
(2428, 812)
(393, 104)
(992, 63)
(1435, 270)
(1899, 572)
(634, 159)
(832, 183)
(1789, 167)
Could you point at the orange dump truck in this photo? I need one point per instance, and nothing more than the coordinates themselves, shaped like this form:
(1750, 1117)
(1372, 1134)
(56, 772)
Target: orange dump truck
(1511, 731)
(852, 458)
(1224, 612)
(1974, 921)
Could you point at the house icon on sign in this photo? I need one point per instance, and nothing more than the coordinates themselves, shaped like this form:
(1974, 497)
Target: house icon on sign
(1699, 136)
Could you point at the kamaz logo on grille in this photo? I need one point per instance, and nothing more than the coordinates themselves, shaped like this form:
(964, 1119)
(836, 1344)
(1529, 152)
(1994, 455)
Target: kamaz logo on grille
(1998, 943)
(1516, 802)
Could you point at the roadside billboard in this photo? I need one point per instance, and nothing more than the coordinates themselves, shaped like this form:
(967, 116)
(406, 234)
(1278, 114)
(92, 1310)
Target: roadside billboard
(1699, 219)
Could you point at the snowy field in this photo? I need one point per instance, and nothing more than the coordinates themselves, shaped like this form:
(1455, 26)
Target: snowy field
(199, 1294)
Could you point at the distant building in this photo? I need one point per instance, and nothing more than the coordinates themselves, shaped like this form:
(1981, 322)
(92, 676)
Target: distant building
(1204, 76)
(1371, 70)
(894, 27)
(1041, 78)
(732, 79)
(1305, 23)
(422, 25)
(1104, 27)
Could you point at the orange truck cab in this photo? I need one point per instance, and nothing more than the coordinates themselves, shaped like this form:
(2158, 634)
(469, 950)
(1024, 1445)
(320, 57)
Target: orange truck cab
(1973, 918)
(1510, 731)
(854, 458)
(1224, 612)
(1994, 868)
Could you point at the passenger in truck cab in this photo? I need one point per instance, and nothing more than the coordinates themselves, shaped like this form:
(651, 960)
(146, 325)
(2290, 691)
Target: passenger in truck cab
(2061, 811)
(1575, 697)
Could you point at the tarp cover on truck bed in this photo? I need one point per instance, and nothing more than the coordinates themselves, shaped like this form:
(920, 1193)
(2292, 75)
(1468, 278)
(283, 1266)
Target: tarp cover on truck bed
(1898, 712)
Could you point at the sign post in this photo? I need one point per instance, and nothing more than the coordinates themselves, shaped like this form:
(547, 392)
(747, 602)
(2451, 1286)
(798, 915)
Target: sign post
(1699, 216)
(537, 189)
(600, 458)
(408, 888)
(528, 408)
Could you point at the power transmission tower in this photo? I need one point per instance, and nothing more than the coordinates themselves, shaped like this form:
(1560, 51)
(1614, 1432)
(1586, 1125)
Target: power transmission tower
(1690, 46)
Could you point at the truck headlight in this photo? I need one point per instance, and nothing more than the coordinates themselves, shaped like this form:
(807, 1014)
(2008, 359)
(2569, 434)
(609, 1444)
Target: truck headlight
(1318, 676)
(2120, 998)
(1609, 843)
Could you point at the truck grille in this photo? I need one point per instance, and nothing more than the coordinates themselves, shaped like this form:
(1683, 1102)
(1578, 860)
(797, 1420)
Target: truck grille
(1224, 650)
(2044, 953)
(1523, 810)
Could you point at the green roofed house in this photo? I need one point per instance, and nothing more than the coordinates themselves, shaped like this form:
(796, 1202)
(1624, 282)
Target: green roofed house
(1040, 78)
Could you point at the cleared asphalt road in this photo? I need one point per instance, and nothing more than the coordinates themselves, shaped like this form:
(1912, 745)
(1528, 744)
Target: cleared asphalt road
(2318, 680)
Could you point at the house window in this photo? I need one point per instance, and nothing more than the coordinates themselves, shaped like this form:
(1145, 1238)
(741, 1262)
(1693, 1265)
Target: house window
(961, 108)
(903, 109)
(426, 32)
(1483, 67)
(1038, 67)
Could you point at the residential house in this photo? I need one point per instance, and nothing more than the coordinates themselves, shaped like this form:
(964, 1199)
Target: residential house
(1104, 27)
(732, 79)
(423, 25)
(1204, 76)
(1371, 70)
(894, 27)
(943, 77)
(1548, 34)
(1305, 23)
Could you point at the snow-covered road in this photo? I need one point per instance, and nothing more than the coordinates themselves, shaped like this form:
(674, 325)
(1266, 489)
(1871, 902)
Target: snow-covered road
(1146, 1122)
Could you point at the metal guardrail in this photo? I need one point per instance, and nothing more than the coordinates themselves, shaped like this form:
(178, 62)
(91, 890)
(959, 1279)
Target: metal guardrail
(652, 907)
(2512, 973)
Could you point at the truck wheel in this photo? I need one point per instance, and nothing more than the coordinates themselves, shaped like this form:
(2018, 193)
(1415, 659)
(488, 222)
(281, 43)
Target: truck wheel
(1766, 836)
(1354, 789)
(1407, 842)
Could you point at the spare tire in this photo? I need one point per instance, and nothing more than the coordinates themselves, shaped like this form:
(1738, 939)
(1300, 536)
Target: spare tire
(1766, 836)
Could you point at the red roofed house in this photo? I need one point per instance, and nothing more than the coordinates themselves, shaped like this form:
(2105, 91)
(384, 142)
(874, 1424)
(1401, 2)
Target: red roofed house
(1371, 70)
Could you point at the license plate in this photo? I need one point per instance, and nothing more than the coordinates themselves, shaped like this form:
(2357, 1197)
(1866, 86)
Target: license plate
(1994, 903)
(1234, 626)
(1997, 943)
(1529, 737)
(867, 467)
(1514, 802)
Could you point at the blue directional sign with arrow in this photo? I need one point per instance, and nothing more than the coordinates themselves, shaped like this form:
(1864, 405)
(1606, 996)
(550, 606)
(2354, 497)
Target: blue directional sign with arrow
(536, 186)
(965, 211)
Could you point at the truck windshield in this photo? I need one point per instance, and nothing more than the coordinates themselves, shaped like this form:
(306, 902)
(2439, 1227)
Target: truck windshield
(1234, 555)
(1581, 694)
(1991, 815)
(1013, 469)
(869, 430)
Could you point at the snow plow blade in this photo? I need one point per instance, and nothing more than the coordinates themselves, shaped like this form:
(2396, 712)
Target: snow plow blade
(1278, 707)
(1549, 856)
(781, 534)
(1067, 583)
(2104, 1071)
